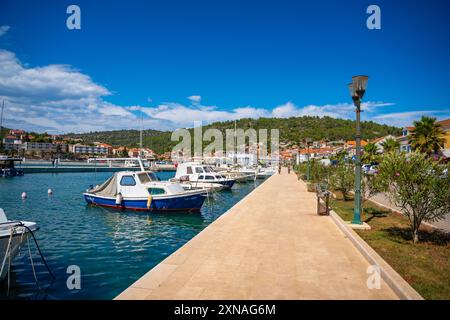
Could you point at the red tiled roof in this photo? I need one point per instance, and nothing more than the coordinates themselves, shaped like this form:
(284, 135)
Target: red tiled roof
(353, 143)
(445, 124)
(377, 140)
(13, 131)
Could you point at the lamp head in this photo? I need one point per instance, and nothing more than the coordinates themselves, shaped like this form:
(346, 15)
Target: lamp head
(359, 86)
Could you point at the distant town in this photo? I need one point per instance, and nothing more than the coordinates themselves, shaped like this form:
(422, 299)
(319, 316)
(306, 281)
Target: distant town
(47, 146)
(17, 142)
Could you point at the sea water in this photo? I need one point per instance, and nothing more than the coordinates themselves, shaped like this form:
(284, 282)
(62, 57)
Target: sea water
(111, 248)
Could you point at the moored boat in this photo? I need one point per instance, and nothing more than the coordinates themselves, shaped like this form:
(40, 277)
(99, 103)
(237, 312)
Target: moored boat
(240, 177)
(142, 191)
(12, 235)
(197, 172)
(7, 167)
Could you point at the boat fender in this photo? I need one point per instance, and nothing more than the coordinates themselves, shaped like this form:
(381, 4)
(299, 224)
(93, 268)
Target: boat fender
(119, 199)
(149, 201)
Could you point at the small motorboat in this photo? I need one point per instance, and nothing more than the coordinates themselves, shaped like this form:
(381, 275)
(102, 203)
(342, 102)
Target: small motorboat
(12, 235)
(191, 185)
(265, 173)
(208, 186)
(143, 191)
(240, 177)
(197, 172)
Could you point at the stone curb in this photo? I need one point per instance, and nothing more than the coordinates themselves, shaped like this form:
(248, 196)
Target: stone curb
(402, 288)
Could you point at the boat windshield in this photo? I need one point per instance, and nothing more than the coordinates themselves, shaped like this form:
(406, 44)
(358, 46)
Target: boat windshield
(146, 177)
(208, 169)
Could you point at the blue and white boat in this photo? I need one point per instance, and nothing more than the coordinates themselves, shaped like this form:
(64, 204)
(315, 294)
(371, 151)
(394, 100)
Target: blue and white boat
(142, 191)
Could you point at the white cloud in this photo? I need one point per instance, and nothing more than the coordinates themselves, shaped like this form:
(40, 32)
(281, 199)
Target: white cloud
(401, 119)
(180, 115)
(56, 98)
(285, 111)
(195, 99)
(61, 98)
(4, 30)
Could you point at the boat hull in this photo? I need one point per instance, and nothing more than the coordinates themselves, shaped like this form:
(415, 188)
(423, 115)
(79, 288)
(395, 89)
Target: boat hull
(11, 173)
(17, 241)
(190, 202)
(226, 183)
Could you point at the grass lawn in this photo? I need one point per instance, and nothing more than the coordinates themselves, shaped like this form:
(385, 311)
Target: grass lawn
(425, 266)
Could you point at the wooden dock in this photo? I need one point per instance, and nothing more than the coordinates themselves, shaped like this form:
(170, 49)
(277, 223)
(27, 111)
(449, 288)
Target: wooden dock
(270, 245)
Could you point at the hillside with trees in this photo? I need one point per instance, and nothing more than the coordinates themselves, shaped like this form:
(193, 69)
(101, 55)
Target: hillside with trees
(292, 131)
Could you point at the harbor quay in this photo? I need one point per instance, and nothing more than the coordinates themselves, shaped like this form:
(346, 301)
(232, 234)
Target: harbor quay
(270, 245)
(65, 167)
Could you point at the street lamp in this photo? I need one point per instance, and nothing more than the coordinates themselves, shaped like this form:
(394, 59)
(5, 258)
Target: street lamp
(357, 90)
(308, 170)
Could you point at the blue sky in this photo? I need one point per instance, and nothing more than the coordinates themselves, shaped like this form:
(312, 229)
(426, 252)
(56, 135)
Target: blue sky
(181, 61)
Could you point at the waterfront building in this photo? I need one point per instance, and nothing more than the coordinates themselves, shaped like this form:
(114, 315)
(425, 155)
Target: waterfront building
(148, 153)
(43, 147)
(11, 142)
(243, 159)
(18, 134)
(83, 149)
(117, 151)
(145, 153)
(445, 126)
(321, 153)
(105, 145)
(133, 152)
(379, 142)
(403, 140)
(350, 146)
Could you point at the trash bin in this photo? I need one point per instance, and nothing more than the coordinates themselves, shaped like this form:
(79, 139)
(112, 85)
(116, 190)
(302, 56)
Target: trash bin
(323, 201)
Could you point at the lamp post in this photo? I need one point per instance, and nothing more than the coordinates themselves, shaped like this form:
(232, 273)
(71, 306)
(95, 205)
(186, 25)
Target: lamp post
(308, 169)
(357, 90)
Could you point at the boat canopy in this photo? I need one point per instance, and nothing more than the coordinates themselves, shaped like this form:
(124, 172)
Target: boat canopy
(107, 188)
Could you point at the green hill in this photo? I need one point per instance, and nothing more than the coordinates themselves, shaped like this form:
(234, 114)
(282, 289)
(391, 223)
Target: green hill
(292, 130)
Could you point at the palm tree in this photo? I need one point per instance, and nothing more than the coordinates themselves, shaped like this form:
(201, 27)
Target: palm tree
(427, 136)
(390, 145)
(370, 152)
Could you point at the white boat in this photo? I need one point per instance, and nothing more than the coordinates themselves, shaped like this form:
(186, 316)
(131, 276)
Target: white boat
(240, 177)
(142, 191)
(265, 173)
(198, 172)
(208, 186)
(131, 164)
(12, 235)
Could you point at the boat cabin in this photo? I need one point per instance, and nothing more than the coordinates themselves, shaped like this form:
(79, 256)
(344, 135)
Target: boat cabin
(196, 171)
(135, 184)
